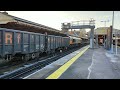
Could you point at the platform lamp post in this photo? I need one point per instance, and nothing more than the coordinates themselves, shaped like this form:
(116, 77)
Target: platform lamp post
(112, 32)
(116, 41)
(105, 26)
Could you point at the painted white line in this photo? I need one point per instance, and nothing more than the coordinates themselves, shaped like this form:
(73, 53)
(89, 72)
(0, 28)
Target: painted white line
(37, 70)
(89, 68)
(31, 74)
(62, 69)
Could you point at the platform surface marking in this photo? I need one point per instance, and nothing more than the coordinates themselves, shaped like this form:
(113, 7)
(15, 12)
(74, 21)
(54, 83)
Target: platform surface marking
(63, 68)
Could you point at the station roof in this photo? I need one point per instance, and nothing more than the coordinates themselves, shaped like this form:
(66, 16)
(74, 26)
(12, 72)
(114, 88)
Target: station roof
(103, 31)
(6, 20)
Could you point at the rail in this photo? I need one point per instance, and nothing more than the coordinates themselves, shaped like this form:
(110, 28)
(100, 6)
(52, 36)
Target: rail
(22, 72)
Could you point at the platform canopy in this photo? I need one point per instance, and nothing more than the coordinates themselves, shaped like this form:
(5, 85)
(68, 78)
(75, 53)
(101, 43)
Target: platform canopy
(103, 31)
(12, 22)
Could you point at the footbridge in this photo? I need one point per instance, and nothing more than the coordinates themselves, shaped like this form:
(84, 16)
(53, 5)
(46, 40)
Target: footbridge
(83, 24)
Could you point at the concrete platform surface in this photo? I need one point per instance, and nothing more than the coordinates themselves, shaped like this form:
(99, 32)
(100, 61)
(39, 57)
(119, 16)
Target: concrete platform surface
(46, 71)
(95, 63)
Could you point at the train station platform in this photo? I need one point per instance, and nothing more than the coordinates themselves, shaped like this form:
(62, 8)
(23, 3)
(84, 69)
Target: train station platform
(84, 63)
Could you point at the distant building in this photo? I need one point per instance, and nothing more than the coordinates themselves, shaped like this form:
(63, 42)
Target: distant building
(103, 31)
(103, 36)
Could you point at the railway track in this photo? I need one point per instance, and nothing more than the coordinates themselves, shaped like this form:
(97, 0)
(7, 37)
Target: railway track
(28, 69)
(10, 66)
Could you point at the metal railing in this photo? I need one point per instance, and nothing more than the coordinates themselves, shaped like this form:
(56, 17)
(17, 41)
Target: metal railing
(78, 23)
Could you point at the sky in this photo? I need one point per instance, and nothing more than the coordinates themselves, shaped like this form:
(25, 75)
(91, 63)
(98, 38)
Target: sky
(55, 18)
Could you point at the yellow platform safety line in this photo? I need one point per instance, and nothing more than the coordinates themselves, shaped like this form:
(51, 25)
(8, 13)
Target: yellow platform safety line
(63, 68)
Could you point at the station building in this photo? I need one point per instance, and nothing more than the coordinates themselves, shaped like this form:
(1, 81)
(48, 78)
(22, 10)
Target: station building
(103, 36)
